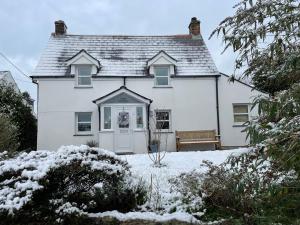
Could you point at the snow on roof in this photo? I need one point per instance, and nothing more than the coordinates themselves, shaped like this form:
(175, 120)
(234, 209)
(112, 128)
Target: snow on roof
(126, 55)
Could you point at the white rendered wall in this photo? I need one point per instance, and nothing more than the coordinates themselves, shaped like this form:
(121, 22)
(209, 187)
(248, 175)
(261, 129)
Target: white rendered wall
(192, 102)
(229, 94)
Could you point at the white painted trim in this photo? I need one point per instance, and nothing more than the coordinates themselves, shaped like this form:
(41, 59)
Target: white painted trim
(86, 56)
(165, 56)
(119, 92)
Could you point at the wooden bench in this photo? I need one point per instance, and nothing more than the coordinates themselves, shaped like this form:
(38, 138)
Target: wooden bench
(197, 137)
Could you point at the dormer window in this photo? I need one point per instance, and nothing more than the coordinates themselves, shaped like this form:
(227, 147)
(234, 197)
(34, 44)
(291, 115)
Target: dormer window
(83, 66)
(162, 75)
(162, 66)
(84, 75)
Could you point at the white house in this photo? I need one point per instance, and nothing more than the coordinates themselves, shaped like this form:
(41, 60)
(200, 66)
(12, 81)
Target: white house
(108, 88)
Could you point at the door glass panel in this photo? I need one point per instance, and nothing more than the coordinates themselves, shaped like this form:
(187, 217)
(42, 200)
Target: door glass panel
(123, 120)
(107, 118)
(139, 117)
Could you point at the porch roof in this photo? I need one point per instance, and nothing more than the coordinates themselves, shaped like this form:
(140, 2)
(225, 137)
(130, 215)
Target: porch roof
(121, 90)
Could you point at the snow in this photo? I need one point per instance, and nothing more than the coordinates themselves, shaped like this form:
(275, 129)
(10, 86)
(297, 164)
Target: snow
(175, 164)
(146, 216)
(29, 168)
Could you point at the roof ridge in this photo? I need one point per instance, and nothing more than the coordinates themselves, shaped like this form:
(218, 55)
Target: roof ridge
(123, 35)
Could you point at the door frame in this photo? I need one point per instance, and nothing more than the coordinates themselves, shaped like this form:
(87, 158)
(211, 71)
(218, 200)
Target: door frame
(114, 109)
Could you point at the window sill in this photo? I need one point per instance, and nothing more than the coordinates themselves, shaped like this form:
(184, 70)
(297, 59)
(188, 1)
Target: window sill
(163, 132)
(106, 131)
(83, 135)
(83, 87)
(239, 125)
(162, 86)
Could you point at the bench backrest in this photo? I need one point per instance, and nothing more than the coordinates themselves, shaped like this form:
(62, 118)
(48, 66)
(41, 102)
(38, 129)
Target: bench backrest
(197, 135)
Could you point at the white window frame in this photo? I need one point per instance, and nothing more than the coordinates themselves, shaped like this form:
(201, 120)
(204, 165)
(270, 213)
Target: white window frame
(77, 76)
(240, 114)
(76, 123)
(155, 76)
(170, 119)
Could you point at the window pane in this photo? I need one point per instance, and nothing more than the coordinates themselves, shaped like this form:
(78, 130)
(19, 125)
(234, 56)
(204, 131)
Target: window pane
(84, 80)
(161, 71)
(84, 121)
(162, 115)
(240, 118)
(84, 70)
(240, 108)
(162, 80)
(84, 127)
(139, 117)
(84, 117)
(107, 118)
(162, 125)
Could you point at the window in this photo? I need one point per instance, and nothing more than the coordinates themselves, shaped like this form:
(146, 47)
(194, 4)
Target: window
(107, 118)
(84, 122)
(161, 76)
(240, 113)
(162, 120)
(84, 73)
(139, 117)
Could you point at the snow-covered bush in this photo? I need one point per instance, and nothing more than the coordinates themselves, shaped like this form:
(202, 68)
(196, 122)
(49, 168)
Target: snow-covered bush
(244, 189)
(55, 186)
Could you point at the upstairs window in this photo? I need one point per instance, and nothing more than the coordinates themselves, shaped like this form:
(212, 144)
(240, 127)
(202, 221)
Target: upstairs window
(240, 113)
(161, 75)
(84, 74)
(84, 122)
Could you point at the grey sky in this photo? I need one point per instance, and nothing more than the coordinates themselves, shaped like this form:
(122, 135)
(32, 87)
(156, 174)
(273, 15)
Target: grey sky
(27, 24)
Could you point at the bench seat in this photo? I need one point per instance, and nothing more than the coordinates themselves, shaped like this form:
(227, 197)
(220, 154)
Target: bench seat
(197, 137)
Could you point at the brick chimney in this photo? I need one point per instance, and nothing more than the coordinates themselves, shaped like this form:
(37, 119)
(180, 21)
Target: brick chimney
(60, 27)
(194, 27)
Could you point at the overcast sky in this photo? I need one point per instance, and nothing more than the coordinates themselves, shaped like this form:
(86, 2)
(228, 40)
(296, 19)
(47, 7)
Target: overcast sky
(27, 24)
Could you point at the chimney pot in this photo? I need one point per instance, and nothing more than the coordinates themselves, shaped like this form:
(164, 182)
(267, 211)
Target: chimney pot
(60, 27)
(194, 27)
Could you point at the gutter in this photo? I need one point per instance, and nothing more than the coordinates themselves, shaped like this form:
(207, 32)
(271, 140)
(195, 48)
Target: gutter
(148, 125)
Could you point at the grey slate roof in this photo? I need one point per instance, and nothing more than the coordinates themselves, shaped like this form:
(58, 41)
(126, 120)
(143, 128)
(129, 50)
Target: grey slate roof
(126, 55)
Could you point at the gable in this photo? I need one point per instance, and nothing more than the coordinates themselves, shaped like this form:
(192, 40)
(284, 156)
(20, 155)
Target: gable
(122, 98)
(122, 95)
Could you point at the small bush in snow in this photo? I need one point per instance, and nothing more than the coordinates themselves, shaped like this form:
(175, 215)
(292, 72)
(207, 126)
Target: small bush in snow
(55, 187)
(243, 190)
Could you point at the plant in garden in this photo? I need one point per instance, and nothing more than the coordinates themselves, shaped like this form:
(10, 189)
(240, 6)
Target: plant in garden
(54, 187)
(157, 141)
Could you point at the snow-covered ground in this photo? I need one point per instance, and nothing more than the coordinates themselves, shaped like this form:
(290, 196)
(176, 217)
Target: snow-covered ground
(175, 164)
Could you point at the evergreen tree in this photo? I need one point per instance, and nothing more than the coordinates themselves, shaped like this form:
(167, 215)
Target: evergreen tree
(13, 105)
(266, 36)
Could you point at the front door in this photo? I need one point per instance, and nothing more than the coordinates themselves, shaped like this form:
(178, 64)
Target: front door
(123, 131)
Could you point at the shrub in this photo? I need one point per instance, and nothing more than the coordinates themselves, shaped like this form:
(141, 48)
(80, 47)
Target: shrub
(46, 187)
(8, 135)
(243, 190)
(92, 144)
